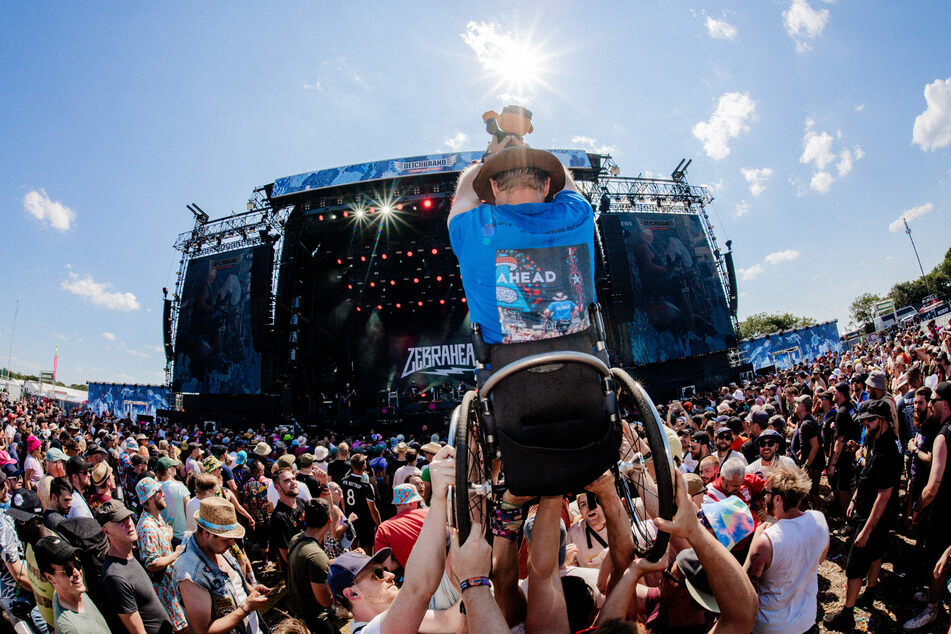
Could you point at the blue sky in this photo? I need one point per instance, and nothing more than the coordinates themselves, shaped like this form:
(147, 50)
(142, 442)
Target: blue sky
(819, 124)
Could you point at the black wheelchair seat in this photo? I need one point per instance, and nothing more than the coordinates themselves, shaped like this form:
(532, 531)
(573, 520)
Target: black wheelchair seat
(556, 424)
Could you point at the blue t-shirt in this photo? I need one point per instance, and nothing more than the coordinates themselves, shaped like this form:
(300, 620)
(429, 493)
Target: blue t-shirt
(517, 261)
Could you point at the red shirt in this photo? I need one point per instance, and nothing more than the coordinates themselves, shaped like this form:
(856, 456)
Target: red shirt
(400, 533)
(752, 486)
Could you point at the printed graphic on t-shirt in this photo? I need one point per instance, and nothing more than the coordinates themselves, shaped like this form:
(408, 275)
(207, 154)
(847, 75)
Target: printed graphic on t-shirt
(543, 293)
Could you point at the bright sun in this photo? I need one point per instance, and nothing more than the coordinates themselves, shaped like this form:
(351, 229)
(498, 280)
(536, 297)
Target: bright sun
(516, 63)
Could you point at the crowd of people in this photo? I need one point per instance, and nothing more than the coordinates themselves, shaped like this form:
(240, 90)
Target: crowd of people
(111, 526)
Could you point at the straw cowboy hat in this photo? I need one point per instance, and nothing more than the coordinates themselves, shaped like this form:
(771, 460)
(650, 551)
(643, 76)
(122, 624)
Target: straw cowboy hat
(217, 516)
(516, 157)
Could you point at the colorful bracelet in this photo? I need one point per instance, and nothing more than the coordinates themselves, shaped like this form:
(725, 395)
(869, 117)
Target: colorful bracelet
(475, 581)
(507, 521)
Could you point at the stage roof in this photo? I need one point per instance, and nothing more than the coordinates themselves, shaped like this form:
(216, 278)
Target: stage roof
(402, 167)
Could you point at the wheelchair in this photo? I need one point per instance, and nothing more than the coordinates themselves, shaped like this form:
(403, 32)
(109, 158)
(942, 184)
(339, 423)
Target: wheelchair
(549, 417)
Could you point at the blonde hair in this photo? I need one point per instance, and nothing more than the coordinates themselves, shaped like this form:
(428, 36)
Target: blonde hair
(530, 177)
(792, 484)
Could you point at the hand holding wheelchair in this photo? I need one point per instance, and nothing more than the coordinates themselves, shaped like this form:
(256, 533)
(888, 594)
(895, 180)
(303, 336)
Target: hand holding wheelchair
(548, 418)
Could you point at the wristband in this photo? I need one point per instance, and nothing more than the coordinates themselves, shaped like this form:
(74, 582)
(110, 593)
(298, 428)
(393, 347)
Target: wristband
(507, 521)
(473, 582)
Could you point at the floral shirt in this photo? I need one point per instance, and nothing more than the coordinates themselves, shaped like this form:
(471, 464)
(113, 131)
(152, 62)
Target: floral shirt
(155, 540)
(255, 498)
(11, 551)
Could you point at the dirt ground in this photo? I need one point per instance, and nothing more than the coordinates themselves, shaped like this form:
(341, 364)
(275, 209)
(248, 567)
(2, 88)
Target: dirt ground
(902, 575)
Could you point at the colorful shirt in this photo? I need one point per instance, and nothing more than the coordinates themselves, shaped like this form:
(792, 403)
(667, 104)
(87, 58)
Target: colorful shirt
(155, 540)
(255, 498)
(11, 550)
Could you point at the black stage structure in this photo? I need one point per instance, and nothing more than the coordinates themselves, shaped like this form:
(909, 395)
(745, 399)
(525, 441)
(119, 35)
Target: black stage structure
(343, 290)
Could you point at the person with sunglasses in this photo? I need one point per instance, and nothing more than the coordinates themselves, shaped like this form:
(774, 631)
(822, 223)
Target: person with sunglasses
(73, 610)
(770, 457)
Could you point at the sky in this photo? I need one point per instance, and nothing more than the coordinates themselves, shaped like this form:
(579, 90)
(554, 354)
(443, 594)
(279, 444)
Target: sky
(818, 125)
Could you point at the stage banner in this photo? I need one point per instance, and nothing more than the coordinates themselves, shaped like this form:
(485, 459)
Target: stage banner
(786, 349)
(678, 307)
(214, 353)
(127, 401)
(393, 168)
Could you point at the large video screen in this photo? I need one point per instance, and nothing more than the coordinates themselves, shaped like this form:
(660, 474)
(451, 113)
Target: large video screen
(786, 349)
(678, 308)
(127, 401)
(213, 349)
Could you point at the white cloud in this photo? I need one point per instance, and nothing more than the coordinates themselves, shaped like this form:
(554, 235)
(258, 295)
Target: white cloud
(109, 336)
(860, 107)
(781, 256)
(909, 215)
(158, 349)
(592, 145)
(56, 214)
(742, 208)
(933, 126)
(720, 29)
(315, 85)
(803, 23)
(97, 293)
(817, 147)
(821, 182)
(734, 111)
(455, 143)
(750, 272)
(756, 178)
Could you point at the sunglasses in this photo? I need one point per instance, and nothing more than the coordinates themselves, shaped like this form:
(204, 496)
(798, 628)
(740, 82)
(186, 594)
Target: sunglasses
(69, 569)
(730, 436)
(376, 572)
(768, 443)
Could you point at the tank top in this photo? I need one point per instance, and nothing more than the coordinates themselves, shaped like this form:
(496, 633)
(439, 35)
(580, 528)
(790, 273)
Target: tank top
(788, 589)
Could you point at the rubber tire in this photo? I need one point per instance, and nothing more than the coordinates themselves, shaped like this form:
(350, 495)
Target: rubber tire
(470, 466)
(657, 441)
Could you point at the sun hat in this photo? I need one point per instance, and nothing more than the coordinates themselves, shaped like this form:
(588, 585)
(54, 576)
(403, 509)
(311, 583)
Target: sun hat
(33, 443)
(321, 453)
(146, 488)
(405, 494)
(517, 157)
(876, 379)
(306, 460)
(217, 516)
(5, 458)
(100, 473)
(431, 448)
(694, 484)
(673, 441)
(130, 445)
(210, 463)
(347, 567)
(287, 460)
(402, 448)
(262, 449)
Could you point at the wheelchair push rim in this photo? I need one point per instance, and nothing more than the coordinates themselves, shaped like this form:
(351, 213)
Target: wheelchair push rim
(644, 494)
(471, 497)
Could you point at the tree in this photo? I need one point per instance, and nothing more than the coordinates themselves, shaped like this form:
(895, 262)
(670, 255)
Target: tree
(766, 324)
(862, 309)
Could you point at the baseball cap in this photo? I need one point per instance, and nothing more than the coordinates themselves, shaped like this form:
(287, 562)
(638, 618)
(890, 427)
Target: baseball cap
(348, 566)
(724, 430)
(77, 465)
(878, 408)
(53, 550)
(25, 505)
(760, 417)
(943, 390)
(806, 400)
(55, 454)
(306, 459)
(701, 437)
(112, 511)
(165, 463)
(696, 580)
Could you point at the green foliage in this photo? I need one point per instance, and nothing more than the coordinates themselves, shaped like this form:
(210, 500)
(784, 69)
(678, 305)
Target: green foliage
(766, 324)
(862, 309)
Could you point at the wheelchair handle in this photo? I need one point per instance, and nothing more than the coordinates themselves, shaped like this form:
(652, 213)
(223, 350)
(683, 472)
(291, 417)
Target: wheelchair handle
(544, 358)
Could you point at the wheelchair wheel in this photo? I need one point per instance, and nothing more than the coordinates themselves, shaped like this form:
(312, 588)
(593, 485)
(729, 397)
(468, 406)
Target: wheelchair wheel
(472, 494)
(646, 483)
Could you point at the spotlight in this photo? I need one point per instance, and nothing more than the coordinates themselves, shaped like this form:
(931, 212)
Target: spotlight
(350, 287)
(442, 301)
(435, 251)
(378, 307)
(415, 280)
(346, 213)
(399, 206)
(363, 258)
(386, 209)
(339, 261)
(359, 213)
(419, 303)
(358, 309)
(427, 204)
(439, 278)
(372, 284)
(409, 254)
(463, 300)
(398, 305)
(383, 256)
(320, 218)
(392, 282)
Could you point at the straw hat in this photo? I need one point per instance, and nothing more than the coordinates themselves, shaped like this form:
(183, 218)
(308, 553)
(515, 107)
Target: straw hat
(217, 516)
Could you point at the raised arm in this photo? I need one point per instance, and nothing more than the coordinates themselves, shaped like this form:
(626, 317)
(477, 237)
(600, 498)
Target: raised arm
(427, 561)
(546, 599)
(473, 561)
(465, 198)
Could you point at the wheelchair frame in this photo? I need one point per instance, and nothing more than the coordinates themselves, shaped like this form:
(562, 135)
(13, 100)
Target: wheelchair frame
(478, 455)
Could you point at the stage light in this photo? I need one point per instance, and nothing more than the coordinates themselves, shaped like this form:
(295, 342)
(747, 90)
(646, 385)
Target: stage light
(427, 204)
(339, 261)
(358, 309)
(398, 305)
(350, 286)
(435, 251)
(346, 213)
(383, 256)
(463, 300)
(415, 280)
(372, 284)
(399, 206)
(359, 213)
(392, 282)
(409, 254)
(333, 216)
(386, 209)
(320, 218)
(442, 301)
(378, 307)
(419, 303)
(372, 209)
(439, 278)
(363, 258)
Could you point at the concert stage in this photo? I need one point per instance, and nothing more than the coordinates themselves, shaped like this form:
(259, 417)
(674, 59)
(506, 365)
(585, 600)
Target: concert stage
(336, 297)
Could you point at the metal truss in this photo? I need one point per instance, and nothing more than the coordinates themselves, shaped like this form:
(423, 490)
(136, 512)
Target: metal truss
(260, 224)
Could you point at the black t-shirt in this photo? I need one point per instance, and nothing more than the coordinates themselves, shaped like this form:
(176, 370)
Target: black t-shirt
(313, 484)
(847, 428)
(749, 450)
(356, 494)
(883, 469)
(810, 428)
(338, 469)
(285, 523)
(128, 586)
(392, 466)
(941, 505)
